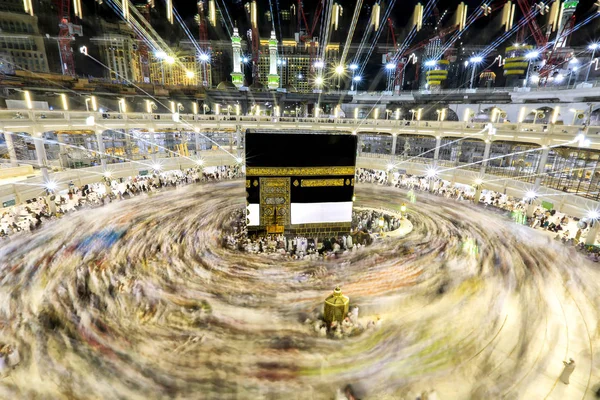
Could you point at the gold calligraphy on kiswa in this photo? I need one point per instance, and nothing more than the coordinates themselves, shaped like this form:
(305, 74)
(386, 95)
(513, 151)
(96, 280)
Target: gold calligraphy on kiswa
(299, 171)
(321, 182)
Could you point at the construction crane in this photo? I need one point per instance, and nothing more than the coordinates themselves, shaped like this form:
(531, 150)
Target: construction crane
(307, 35)
(398, 75)
(66, 35)
(442, 33)
(553, 59)
(556, 58)
(528, 10)
(203, 41)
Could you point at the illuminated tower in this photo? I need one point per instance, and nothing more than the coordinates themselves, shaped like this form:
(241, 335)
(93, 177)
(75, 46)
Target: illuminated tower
(273, 76)
(566, 22)
(237, 76)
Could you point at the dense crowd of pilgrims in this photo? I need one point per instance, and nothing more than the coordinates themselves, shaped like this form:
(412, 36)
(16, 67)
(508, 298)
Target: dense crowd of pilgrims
(31, 214)
(560, 225)
(365, 224)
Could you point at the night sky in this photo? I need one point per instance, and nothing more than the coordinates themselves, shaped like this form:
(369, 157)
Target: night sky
(482, 32)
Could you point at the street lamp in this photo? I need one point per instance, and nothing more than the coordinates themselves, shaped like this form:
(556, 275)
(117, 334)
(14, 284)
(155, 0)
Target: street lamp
(593, 47)
(532, 55)
(441, 114)
(475, 61)
(65, 103)
(339, 71)
(356, 79)
(413, 112)
(122, 106)
(150, 105)
(318, 81)
(91, 100)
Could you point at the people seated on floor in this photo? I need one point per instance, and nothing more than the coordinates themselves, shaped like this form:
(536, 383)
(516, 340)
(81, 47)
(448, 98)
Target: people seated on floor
(31, 215)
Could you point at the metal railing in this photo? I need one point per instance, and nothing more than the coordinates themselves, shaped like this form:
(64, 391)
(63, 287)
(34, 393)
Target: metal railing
(15, 119)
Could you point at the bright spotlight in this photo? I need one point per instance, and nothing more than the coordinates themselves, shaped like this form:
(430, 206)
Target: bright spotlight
(431, 172)
(559, 78)
(357, 78)
(532, 54)
(339, 69)
(200, 162)
(430, 63)
(169, 60)
(353, 67)
(573, 60)
(156, 166)
(245, 60)
(390, 66)
(478, 181)
(160, 55)
(204, 57)
(535, 78)
(189, 74)
(594, 215)
(354, 132)
(390, 166)
(319, 64)
(90, 121)
(594, 46)
(51, 186)
(476, 59)
(318, 81)
(239, 160)
(107, 174)
(582, 140)
(530, 195)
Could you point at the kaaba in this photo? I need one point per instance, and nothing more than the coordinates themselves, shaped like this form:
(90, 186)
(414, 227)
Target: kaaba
(299, 183)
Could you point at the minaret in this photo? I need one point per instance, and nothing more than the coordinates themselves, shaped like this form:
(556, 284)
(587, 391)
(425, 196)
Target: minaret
(236, 42)
(273, 76)
(565, 22)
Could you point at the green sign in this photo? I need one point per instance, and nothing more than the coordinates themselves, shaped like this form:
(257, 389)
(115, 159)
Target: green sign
(9, 203)
(547, 206)
(143, 172)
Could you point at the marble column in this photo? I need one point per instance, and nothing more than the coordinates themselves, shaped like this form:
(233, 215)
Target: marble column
(593, 232)
(8, 137)
(542, 166)
(197, 141)
(486, 155)
(40, 152)
(477, 196)
(101, 148)
(62, 151)
(436, 153)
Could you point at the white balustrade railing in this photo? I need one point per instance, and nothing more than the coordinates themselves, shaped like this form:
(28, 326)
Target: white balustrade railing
(13, 120)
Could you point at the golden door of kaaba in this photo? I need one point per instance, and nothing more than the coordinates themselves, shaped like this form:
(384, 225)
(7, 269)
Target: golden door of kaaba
(275, 201)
